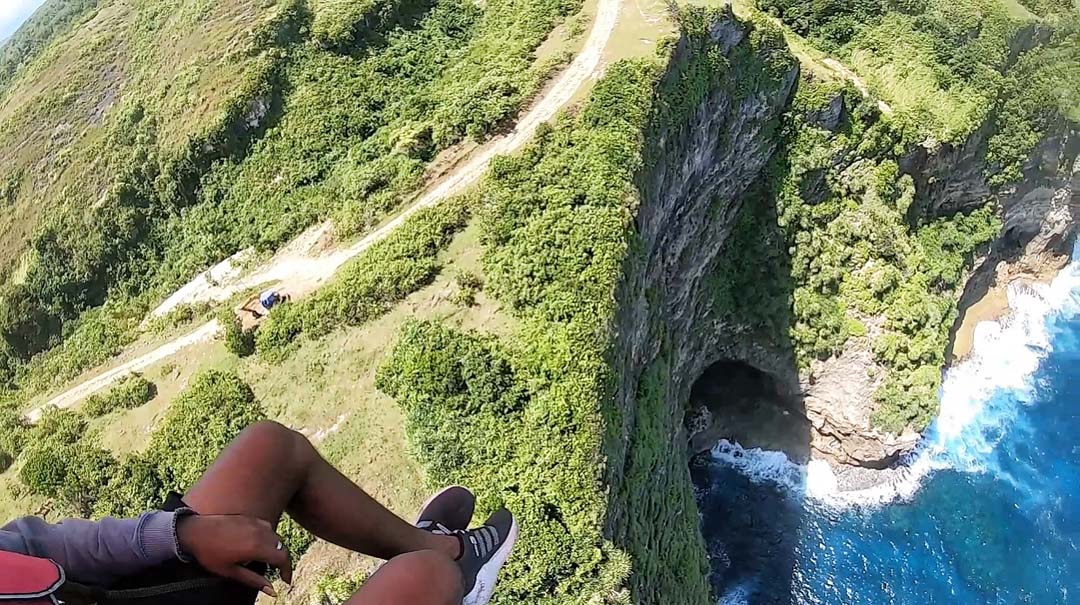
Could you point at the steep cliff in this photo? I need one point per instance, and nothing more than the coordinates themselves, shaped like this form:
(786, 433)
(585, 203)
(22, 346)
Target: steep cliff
(600, 238)
(703, 158)
(714, 244)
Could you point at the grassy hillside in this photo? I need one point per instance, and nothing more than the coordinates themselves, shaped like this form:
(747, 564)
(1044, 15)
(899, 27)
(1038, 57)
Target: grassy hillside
(475, 343)
(51, 20)
(186, 131)
(177, 63)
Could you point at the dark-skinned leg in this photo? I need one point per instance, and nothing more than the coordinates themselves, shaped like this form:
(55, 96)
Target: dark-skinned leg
(269, 469)
(426, 577)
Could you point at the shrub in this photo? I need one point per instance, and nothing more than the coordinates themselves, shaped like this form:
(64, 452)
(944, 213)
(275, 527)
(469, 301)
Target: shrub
(133, 489)
(338, 24)
(75, 474)
(44, 468)
(370, 284)
(908, 399)
(209, 414)
(467, 285)
(13, 429)
(57, 427)
(130, 393)
(88, 475)
(238, 341)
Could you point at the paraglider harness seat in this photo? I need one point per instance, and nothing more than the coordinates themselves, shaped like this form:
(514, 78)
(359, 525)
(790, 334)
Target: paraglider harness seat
(34, 580)
(30, 580)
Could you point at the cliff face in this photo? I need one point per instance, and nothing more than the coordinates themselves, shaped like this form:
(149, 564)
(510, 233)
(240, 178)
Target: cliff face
(1040, 221)
(684, 364)
(1039, 225)
(698, 170)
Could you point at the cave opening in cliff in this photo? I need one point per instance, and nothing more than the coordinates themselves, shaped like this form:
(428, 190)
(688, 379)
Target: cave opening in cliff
(735, 401)
(748, 499)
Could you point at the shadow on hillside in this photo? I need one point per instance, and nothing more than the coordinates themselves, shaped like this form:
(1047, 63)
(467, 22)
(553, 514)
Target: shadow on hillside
(373, 32)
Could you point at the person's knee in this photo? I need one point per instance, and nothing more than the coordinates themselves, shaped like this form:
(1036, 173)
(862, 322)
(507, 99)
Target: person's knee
(278, 438)
(268, 430)
(441, 575)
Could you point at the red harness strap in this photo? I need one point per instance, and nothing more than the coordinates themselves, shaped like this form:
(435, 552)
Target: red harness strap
(25, 579)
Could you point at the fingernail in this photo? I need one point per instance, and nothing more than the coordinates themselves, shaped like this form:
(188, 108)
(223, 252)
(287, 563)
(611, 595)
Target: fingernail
(269, 590)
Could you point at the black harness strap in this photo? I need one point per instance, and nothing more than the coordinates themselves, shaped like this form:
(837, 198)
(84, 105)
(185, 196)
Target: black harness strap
(78, 594)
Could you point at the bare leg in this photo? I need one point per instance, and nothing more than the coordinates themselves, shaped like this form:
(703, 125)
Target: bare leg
(269, 469)
(421, 578)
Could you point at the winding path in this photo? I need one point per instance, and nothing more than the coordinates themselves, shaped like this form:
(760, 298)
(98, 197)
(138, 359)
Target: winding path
(304, 271)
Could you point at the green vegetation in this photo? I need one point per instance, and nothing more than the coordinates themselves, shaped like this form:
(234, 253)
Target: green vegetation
(843, 208)
(525, 422)
(307, 132)
(51, 20)
(335, 589)
(529, 417)
(945, 66)
(56, 426)
(467, 284)
(1040, 95)
(859, 254)
(118, 166)
(834, 239)
(238, 341)
(61, 459)
(751, 284)
(342, 25)
(13, 429)
(202, 420)
(370, 284)
(128, 394)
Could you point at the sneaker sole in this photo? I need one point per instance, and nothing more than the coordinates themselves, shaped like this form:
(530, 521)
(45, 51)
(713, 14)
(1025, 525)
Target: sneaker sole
(428, 502)
(489, 573)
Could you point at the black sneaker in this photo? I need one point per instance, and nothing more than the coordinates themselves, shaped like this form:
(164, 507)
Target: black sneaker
(484, 551)
(448, 511)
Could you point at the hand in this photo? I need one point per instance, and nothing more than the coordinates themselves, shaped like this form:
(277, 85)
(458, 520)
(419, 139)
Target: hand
(222, 544)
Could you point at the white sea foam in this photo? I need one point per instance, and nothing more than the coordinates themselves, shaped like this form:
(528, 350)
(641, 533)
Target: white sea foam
(739, 594)
(761, 466)
(972, 420)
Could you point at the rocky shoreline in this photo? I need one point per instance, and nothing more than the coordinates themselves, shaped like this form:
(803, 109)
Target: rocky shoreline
(830, 417)
(1041, 220)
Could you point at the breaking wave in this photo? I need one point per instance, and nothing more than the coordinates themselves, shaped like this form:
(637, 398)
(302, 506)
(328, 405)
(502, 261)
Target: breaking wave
(972, 419)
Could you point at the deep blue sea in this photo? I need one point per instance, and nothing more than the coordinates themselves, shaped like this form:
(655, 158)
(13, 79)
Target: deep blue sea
(986, 511)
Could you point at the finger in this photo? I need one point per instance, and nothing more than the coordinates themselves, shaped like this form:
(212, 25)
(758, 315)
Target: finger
(252, 579)
(278, 558)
